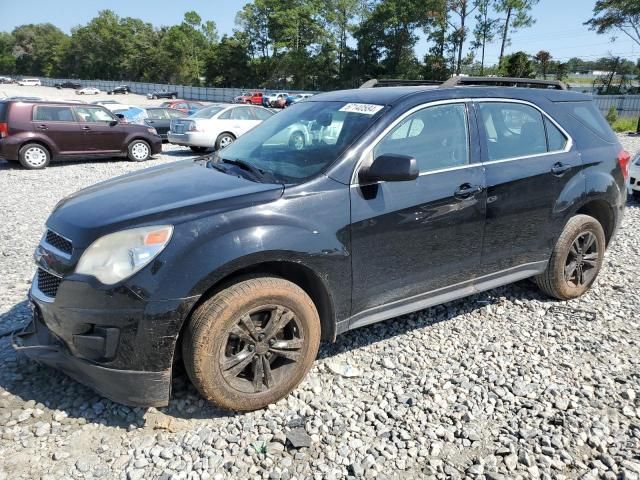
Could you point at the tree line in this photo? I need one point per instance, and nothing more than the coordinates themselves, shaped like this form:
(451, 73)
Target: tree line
(302, 44)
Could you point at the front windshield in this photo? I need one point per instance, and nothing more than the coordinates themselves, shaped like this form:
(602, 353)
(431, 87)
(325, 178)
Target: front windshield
(303, 140)
(208, 112)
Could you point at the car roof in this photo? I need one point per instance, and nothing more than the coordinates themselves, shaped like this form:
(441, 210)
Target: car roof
(392, 95)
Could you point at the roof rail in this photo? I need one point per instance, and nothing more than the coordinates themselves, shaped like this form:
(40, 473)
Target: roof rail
(390, 82)
(459, 81)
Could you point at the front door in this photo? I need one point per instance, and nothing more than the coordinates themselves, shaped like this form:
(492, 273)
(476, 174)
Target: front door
(528, 162)
(413, 237)
(59, 125)
(102, 135)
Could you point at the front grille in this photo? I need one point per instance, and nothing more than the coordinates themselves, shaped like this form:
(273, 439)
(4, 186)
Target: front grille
(47, 283)
(61, 243)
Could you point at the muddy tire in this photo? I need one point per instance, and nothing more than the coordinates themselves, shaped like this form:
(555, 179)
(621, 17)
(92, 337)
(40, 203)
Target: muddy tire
(576, 259)
(251, 344)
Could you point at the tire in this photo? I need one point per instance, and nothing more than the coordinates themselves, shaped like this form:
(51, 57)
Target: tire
(139, 151)
(296, 141)
(559, 280)
(247, 308)
(34, 156)
(224, 140)
(173, 97)
(198, 149)
(636, 195)
(126, 92)
(154, 97)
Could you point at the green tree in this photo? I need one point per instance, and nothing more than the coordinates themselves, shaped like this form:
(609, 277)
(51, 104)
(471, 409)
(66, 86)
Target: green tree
(485, 31)
(39, 49)
(613, 15)
(461, 9)
(543, 58)
(7, 60)
(227, 64)
(517, 65)
(517, 16)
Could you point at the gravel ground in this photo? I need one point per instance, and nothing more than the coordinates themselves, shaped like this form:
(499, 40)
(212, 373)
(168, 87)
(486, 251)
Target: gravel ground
(505, 384)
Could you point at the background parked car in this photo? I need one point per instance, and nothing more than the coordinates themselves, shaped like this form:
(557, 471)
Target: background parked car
(162, 94)
(254, 98)
(634, 177)
(128, 113)
(88, 91)
(278, 100)
(187, 107)
(35, 132)
(291, 99)
(105, 102)
(7, 80)
(160, 119)
(73, 85)
(216, 126)
(30, 82)
(122, 89)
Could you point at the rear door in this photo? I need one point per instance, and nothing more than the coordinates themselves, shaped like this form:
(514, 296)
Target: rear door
(243, 120)
(59, 125)
(528, 160)
(102, 136)
(409, 238)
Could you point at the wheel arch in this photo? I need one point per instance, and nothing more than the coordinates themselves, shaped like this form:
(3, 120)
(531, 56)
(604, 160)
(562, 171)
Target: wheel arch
(40, 141)
(602, 211)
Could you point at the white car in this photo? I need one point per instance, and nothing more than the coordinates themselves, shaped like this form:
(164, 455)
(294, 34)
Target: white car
(30, 82)
(216, 126)
(88, 91)
(634, 177)
(274, 98)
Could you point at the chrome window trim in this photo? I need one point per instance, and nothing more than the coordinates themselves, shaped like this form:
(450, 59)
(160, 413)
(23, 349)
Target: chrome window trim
(567, 147)
(374, 143)
(395, 123)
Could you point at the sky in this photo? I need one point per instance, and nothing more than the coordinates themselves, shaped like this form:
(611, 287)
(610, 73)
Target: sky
(558, 28)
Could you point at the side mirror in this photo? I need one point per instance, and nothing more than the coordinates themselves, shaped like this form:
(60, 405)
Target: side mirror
(390, 167)
(113, 123)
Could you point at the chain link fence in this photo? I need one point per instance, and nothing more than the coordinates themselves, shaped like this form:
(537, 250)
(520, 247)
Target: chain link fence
(625, 105)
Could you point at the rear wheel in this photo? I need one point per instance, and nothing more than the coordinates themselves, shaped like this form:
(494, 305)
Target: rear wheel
(296, 141)
(251, 344)
(576, 259)
(224, 140)
(139, 151)
(34, 156)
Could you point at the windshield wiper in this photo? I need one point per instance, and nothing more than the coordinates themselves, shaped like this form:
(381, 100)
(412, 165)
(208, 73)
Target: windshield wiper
(249, 167)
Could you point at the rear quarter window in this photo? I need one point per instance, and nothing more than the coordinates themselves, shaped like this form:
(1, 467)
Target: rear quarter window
(590, 117)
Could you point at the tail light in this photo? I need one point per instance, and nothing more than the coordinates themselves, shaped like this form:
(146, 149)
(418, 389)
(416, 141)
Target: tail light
(624, 158)
(4, 130)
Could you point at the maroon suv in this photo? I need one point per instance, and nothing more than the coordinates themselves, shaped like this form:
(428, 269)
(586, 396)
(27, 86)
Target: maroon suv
(35, 132)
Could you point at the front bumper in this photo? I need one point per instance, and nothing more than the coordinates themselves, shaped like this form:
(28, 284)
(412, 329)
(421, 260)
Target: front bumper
(130, 387)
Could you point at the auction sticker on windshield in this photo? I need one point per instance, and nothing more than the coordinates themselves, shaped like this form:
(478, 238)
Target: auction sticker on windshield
(364, 108)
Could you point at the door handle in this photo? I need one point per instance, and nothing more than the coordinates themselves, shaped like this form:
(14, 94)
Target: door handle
(559, 169)
(85, 128)
(466, 190)
(42, 127)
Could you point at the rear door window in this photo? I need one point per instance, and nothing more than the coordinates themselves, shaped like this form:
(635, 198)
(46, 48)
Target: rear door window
(53, 114)
(261, 114)
(93, 115)
(512, 130)
(241, 113)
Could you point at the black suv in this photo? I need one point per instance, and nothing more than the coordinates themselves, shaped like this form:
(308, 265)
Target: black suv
(389, 200)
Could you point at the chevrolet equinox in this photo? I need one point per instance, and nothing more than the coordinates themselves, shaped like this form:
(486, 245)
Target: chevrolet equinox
(239, 263)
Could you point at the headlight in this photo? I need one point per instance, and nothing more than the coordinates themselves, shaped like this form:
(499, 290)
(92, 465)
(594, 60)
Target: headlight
(152, 131)
(119, 255)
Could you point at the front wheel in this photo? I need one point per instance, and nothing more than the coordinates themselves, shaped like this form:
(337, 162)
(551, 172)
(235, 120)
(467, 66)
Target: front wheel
(296, 141)
(251, 344)
(139, 151)
(224, 140)
(636, 195)
(154, 97)
(576, 259)
(34, 156)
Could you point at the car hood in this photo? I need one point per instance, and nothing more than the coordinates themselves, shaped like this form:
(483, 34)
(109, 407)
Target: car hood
(168, 194)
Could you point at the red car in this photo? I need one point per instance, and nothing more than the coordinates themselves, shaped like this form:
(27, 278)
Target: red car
(184, 106)
(254, 98)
